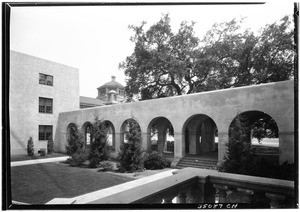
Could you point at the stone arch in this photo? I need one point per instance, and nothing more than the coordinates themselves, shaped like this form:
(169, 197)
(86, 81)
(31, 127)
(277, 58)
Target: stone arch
(86, 130)
(200, 135)
(111, 134)
(124, 128)
(256, 121)
(71, 128)
(161, 130)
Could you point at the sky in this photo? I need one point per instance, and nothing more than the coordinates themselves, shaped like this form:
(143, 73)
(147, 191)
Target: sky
(95, 39)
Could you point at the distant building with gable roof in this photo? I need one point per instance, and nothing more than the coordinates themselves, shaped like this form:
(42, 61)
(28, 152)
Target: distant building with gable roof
(86, 102)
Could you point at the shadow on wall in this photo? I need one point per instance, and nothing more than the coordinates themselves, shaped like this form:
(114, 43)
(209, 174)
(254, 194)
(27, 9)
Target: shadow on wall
(14, 137)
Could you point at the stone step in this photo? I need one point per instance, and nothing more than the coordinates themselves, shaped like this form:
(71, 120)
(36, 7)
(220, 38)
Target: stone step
(266, 151)
(194, 166)
(199, 159)
(197, 163)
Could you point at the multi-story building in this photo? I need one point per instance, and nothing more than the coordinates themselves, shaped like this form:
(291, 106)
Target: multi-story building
(39, 90)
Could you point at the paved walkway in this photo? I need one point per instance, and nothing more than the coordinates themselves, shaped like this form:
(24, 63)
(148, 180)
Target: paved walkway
(38, 161)
(93, 196)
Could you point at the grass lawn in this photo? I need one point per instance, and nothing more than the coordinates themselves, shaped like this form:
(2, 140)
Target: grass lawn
(40, 183)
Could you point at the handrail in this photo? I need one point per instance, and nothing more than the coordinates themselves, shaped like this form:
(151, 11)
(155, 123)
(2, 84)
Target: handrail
(267, 185)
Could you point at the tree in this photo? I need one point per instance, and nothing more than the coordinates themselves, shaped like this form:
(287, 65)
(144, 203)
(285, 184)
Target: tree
(166, 64)
(239, 155)
(162, 62)
(131, 154)
(100, 150)
(75, 141)
(30, 147)
(275, 51)
(75, 148)
(264, 127)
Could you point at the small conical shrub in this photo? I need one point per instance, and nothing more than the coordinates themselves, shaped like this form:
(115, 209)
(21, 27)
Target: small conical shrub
(239, 155)
(131, 154)
(50, 147)
(100, 150)
(30, 147)
(75, 141)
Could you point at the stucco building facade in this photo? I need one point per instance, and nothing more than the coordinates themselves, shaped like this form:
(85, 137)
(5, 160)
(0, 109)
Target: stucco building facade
(39, 90)
(44, 101)
(194, 116)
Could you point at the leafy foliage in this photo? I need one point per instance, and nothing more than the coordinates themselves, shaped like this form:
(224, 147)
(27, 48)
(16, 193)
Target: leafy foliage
(43, 152)
(100, 149)
(271, 169)
(50, 146)
(30, 147)
(239, 156)
(265, 127)
(75, 141)
(166, 64)
(131, 154)
(156, 160)
(106, 165)
(75, 148)
(78, 158)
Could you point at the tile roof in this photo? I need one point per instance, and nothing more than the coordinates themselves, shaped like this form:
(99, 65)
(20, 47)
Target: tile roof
(91, 101)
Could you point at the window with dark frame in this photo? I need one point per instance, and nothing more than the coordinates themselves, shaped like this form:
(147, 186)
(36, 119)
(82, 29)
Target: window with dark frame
(45, 105)
(46, 79)
(45, 132)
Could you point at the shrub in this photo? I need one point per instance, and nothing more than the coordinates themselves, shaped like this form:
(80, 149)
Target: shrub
(106, 165)
(156, 160)
(100, 149)
(131, 154)
(239, 157)
(75, 141)
(265, 168)
(30, 147)
(50, 147)
(43, 152)
(78, 158)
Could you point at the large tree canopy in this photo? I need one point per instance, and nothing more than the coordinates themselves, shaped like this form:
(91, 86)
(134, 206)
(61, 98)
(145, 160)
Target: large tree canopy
(166, 64)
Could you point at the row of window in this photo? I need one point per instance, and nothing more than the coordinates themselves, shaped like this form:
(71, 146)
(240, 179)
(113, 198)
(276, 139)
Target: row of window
(45, 105)
(45, 132)
(45, 79)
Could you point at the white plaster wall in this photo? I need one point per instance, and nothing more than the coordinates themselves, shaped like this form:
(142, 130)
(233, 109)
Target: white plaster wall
(24, 93)
(275, 99)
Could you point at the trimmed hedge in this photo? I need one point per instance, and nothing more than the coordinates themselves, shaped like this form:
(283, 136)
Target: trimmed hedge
(156, 160)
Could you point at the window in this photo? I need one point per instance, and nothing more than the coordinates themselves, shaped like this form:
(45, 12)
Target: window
(45, 105)
(45, 132)
(46, 79)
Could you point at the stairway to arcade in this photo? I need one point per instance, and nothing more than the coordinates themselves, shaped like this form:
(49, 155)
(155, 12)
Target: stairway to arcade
(206, 161)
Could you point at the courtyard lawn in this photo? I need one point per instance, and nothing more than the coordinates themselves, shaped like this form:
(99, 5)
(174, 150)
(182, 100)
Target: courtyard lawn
(40, 183)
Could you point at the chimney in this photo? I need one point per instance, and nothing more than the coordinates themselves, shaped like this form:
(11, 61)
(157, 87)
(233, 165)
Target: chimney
(113, 78)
